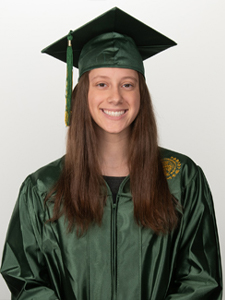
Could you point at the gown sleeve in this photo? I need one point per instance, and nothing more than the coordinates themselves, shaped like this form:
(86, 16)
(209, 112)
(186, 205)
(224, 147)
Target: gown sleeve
(198, 274)
(23, 265)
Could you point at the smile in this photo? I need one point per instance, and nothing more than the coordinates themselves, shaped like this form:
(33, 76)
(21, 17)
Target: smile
(114, 113)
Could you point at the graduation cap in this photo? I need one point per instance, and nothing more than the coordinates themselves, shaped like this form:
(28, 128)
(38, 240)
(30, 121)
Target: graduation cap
(113, 39)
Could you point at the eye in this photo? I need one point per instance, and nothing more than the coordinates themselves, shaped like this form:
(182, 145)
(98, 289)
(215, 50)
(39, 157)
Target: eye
(101, 84)
(128, 85)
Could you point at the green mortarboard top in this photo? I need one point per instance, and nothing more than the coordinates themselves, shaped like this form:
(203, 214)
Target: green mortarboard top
(113, 39)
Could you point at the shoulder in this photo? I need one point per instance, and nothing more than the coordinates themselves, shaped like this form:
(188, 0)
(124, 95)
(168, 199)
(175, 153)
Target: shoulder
(47, 175)
(41, 181)
(180, 170)
(175, 163)
(31, 199)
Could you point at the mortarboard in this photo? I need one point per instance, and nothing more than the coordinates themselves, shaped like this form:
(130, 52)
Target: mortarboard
(113, 39)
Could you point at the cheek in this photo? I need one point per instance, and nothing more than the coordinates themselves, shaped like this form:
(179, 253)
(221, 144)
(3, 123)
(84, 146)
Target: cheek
(93, 106)
(137, 103)
(90, 103)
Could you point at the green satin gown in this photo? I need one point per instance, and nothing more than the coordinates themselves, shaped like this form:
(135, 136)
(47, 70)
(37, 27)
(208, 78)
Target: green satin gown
(119, 260)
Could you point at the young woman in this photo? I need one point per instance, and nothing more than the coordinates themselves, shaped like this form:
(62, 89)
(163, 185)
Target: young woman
(117, 217)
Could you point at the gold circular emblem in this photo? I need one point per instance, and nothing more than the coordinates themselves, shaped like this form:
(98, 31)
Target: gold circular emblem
(171, 167)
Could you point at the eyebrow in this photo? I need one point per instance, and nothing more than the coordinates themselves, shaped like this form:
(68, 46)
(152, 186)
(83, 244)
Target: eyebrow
(106, 77)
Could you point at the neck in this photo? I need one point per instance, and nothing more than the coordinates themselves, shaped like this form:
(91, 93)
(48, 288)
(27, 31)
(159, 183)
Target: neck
(113, 153)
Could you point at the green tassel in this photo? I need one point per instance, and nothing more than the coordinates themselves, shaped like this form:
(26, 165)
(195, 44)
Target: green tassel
(69, 78)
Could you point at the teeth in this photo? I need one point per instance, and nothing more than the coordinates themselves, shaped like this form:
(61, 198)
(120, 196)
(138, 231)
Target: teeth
(114, 113)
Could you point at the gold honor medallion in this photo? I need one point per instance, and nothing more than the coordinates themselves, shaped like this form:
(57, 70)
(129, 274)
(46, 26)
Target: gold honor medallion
(171, 167)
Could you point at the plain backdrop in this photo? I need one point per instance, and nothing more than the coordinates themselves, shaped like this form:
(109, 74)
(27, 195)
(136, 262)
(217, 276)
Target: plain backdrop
(187, 84)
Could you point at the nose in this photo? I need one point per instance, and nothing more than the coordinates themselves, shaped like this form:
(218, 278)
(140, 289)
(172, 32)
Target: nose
(115, 95)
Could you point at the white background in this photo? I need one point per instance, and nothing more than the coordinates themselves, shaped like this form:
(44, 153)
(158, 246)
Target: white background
(187, 84)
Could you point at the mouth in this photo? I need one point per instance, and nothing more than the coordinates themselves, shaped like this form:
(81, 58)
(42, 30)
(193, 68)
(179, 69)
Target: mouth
(114, 113)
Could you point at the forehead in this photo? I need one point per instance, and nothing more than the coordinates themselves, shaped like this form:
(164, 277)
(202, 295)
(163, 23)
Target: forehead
(113, 73)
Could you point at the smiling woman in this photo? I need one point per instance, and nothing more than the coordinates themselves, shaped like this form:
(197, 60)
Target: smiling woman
(114, 99)
(118, 217)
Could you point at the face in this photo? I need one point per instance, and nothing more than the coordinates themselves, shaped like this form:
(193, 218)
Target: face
(113, 98)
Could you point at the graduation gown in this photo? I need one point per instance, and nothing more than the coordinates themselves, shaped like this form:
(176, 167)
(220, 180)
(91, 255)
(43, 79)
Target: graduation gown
(119, 260)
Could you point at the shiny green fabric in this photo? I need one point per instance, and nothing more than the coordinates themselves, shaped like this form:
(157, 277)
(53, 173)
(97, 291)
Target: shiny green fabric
(119, 260)
(147, 40)
(110, 50)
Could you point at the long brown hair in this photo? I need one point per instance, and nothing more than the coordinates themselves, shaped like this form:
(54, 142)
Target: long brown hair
(80, 193)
